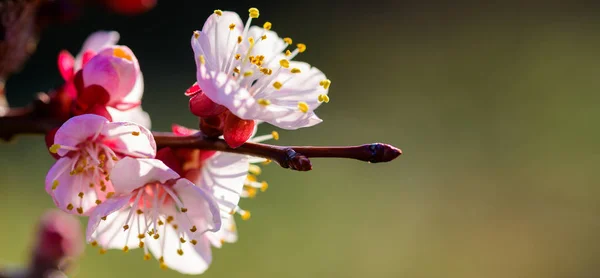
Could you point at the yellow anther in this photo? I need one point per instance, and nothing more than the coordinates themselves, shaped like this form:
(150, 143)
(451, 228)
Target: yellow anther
(80, 195)
(103, 217)
(284, 63)
(125, 249)
(264, 186)
(160, 223)
(161, 259)
(98, 202)
(184, 209)
(139, 211)
(219, 12)
(239, 39)
(107, 178)
(277, 85)
(266, 71)
(141, 236)
(94, 243)
(196, 34)
(92, 185)
(295, 70)
(237, 57)
(54, 184)
(236, 70)
(287, 40)
(303, 106)
(254, 169)
(175, 227)
(125, 227)
(146, 257)
(254, 13)
(231, 26)
(263, 37)
(150, 233)
(163, 266)
(54, 148)
(232, 212)
(267, 162)
(114, 158)
(251, 40)
(102, 251)
(267, 25)
(288, 53)
(141, 244)
(323, 98)
(182, 240)
(120, 53)
(251, 192)
(201, 59)
(80, 210)
(245, 215)
(325, 83)
(193, 241)
(263, 102)
(193, 229)
(103, 188)
(70, 207)
(251, 177)
(135, 133)
(156, 236)
(301, 47)
(170, 219)
(109, 195)
(275, 135)
(248, 73)
(180, 252)
(222, 241)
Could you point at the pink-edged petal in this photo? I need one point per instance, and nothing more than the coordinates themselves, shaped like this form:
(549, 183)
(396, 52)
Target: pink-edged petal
(202, 209)
(113, 209)
(216, 41)
(96, 42)
(224, 174)
(182, 130)
(115, 69)
(78, 129)
(135, 115)
(129, 139)
(65, 65)
(136, 93)
(195, 259)
(131, 173)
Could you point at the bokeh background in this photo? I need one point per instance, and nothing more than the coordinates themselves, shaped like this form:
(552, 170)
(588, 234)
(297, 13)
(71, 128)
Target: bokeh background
(494, 106)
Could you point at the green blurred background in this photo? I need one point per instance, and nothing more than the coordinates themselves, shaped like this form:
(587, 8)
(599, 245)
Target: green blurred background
(494, 106)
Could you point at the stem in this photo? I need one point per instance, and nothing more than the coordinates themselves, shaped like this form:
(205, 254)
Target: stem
(34, 120)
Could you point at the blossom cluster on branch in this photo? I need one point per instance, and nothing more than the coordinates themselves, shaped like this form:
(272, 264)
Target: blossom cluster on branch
(174, 195)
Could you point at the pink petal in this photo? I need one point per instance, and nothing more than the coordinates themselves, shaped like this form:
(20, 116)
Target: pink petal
(182, 130)
(203, 210)
(135, 115)
(65, 65)
(96, 42)
(77, 130)
(130, 174)
(130, 139)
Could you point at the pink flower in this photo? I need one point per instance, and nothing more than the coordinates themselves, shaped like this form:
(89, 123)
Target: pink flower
(157, 210)
(89, 146)
(248, 71)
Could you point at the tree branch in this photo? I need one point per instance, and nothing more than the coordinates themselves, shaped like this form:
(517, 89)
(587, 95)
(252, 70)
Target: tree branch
(36, 119)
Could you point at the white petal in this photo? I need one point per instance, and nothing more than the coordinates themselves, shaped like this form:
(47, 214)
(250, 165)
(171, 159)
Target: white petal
(227, 233)
(272, 47)
(224, 174)
(77, 130)
(195, 258)
(129, 139)
(96, 42)
(202, 209)
(221, 40)
(111, 208)
(130, 174)
(135, 115)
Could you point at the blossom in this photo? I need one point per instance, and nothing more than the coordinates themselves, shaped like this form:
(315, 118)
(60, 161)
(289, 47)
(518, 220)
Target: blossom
(227, 176)
(89, 146)
(248, 71)
(154, 208)
(104, 79)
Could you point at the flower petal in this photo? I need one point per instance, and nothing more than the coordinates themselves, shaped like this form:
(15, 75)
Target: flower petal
(110, 208)
(114, 68)
(129, 139)
(96, 42)
(77, 130)
(130, 174)
(227, 233)
(217, 41)
(202, 209)
(195, 259)
(135, 115)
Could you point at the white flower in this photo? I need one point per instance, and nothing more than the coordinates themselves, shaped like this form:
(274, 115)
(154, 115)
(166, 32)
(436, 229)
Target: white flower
(248, 70)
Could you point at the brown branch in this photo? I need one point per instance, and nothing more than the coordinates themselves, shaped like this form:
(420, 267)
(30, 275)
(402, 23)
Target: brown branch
(36, 119)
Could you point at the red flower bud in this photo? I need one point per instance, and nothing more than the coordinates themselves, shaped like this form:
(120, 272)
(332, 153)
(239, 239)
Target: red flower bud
(237, 131)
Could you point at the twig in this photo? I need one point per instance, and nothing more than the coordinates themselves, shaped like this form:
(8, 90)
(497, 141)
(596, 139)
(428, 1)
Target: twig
(36, 119)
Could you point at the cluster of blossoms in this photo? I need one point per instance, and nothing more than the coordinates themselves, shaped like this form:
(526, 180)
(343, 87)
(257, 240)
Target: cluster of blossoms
(174, 203)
